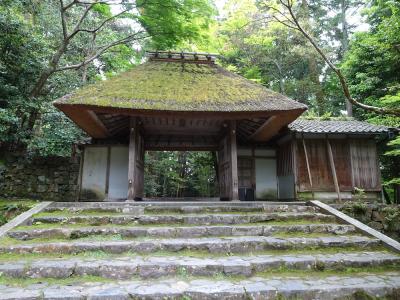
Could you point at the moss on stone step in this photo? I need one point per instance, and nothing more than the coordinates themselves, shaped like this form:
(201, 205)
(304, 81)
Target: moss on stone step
(4, 257)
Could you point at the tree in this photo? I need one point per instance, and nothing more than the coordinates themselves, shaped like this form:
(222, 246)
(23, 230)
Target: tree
(284, 12)
(270, 54)
(71, 36)
(372, 66)
(179, 174)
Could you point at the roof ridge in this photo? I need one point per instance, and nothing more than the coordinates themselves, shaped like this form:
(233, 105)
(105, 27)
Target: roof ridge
(175, 56)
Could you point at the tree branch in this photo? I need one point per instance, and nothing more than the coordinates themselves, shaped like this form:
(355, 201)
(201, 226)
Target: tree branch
(101, 50)
(102, 24)
(343, 82)
(63, 20)
(64, 8)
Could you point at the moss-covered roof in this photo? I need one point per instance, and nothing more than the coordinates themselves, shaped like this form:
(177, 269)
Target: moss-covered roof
(180, 86)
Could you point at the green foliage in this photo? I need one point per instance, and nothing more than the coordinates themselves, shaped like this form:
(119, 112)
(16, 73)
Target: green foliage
(11, 208)
(179, 174)
(31, 31)
(372, 67)
(172, 23)
(355, 208)
(392, 218)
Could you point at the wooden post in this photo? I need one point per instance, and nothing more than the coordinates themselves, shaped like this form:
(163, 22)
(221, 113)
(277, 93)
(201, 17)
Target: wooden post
(234, 166)
(132, 158)
(333, 169)
(81, 161)
(308, 164)
(108, 170)
(293, 149)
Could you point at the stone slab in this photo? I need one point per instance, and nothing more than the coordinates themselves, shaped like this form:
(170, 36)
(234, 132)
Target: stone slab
(196, 219)
(242, 244)
(177, 232)
(257, 288)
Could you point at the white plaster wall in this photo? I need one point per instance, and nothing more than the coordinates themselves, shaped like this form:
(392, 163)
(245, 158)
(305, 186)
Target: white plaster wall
(94, 173)
(118, 182)
(266, 180)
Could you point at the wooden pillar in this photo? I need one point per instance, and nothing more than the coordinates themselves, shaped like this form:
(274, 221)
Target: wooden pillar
(333, 169)
(132, 158)
(234, 194)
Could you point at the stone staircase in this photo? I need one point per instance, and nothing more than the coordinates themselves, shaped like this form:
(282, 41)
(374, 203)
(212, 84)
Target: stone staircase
(207, 250)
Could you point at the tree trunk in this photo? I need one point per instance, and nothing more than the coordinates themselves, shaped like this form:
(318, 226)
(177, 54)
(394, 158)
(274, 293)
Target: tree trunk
(345, 46)
(312, 63)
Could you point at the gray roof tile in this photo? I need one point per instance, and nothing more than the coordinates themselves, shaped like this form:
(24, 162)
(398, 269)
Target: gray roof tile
(335, 126)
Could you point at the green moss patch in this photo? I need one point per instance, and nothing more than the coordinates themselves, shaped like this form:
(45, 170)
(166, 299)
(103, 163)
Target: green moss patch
(181, 87)
(10, 208)
(22, 282)
(4, 257)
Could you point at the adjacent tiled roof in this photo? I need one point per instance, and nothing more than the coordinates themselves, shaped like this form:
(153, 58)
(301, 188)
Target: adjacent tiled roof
(336, 126)
(181, 86)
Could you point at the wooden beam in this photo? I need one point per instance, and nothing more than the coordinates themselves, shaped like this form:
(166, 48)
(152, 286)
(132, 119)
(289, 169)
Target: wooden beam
(132, 158)
(272, 126)
(307, 162)
(233, 159)
(333, 169)
(261, 129)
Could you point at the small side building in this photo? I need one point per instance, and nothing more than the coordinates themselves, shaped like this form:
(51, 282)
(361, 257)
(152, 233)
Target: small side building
(329, 159)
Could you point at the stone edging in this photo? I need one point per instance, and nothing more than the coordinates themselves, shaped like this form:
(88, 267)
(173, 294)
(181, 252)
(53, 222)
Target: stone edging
(387, 241)
(18, 220)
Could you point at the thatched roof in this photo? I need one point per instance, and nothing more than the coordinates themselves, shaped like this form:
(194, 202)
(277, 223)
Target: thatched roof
(180, 86)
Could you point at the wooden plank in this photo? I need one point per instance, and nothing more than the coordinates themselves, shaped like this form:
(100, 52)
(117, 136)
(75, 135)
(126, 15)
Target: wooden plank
(351, 163)
(365, 168)
(132, 159)
(20, 219)
(341, 156)
(387, 241)
(333, 169)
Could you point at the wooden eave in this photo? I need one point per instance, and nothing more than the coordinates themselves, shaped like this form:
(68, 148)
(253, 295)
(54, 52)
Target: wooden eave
(85, 116)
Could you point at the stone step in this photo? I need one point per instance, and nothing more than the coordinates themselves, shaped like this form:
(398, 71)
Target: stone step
(179, 232)
(183, 219)
(155, 267)
(215, 209)
(212, 245)
(157, 208)
(359, 286)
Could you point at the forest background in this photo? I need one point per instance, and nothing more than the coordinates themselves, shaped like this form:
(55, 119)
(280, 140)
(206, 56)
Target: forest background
(48, 48)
